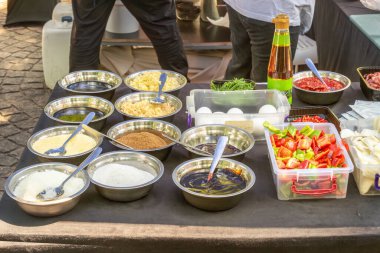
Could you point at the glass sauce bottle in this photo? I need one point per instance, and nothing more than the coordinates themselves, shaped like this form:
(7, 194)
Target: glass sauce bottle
(280, 68)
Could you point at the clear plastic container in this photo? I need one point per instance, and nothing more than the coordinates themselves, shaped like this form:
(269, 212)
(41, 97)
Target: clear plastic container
(249, 101)
(310, 183)
(366, 175)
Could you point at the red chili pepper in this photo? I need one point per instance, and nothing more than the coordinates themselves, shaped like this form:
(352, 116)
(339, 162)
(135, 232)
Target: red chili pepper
(323, 141)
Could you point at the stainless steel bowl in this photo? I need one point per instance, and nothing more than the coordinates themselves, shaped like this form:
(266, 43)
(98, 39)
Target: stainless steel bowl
(212, 202)
(97, 103)
(92, 75)
(238, 137)
(57, 130)
(46, 208)
(181, 80)
(139, 160)
(139, 96)
(320, 98)
(158, 125)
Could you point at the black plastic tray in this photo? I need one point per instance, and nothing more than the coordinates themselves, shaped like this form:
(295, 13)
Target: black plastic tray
(370, 93)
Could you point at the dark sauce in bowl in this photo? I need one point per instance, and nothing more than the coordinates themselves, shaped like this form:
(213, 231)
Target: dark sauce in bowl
(89, 86)
(77, 114)
(210, 147)
(224, 181)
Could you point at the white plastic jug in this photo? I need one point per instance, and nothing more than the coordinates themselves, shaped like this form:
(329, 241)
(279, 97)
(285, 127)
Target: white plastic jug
(121, 20)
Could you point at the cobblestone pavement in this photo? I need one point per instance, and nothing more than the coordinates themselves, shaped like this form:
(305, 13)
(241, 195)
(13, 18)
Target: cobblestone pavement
(22, 92)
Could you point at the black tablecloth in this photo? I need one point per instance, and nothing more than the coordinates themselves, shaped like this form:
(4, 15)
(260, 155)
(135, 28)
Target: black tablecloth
(29, 11)
(260, 209)
(342, 47)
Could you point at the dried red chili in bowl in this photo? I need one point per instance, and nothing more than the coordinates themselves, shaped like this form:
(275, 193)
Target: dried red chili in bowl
(314, 84)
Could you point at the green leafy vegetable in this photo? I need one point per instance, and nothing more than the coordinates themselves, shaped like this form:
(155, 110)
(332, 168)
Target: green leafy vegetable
(231, 85)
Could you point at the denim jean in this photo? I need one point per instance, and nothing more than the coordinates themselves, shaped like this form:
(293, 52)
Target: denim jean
(251, 43)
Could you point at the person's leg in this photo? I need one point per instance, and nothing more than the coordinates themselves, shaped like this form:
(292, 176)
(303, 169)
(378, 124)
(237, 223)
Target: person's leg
(241, 63)
(158, 20)
(294, 34)
(90, 20)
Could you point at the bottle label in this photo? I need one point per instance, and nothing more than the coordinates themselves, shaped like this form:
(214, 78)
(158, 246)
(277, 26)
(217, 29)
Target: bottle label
(283, 85)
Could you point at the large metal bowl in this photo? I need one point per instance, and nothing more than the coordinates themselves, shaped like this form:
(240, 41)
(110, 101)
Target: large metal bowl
(320, 98)
(57, 130)
(91, 75)
(181, 80)
(158, 125)
(238, 137)
(212, 202)
(46, 208)
(139, 160)
(97, 103)
(139, 96)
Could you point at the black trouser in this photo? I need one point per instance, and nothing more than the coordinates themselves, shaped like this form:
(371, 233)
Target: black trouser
(251, 43)
(156, 17)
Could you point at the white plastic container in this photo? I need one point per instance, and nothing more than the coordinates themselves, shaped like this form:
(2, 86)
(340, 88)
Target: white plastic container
(292, 184)
(121, 20)
(249, 101)
(63, 15)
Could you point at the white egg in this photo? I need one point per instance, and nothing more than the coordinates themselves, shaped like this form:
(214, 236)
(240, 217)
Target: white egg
(235, 111)
(267, 109)
(218, 113)
(258, 128)
(204, 110)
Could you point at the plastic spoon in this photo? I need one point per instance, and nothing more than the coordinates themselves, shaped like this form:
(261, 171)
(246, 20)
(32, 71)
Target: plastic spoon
(220, 146)
(313, 69)
(61, 150)
(53, 193)
(158, 99)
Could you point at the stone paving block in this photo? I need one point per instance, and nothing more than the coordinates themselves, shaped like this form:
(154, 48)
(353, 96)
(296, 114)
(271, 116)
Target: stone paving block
(39, 79)
(33, 74)
(19, 66)
(38, 85)
(13, 80)
(13, 96)
(4, 54)
(17, 152)
(18, 117)
(4, 104)
(9, 130)
(26, 124)
(5, 171)
(11, 73)
(6, 146)
(37, 67)
(3, 73)
(9, 88)
(21, 138)
(21, 54)
(9, 111)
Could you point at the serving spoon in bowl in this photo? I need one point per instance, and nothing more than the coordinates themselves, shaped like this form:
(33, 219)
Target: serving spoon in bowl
(51, 193)
(61, 150)
(186, 145)
(314, 69)
(158, 99)
(219, 150)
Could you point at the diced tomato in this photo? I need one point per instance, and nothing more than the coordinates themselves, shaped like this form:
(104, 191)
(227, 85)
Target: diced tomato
(284, 152)
(280, 164)
(321, 155)
(323, 141)
(322, 165)
(345, 144)
(292, 163)
(292, 145)
(332, 138)
(305, 164)
(304, 143)
(337, 161)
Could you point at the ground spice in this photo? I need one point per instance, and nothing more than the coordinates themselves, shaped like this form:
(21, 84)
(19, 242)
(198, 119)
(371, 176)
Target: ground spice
(143, 139)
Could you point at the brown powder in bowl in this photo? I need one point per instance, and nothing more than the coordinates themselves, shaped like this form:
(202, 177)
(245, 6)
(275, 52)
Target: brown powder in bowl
(143, 139)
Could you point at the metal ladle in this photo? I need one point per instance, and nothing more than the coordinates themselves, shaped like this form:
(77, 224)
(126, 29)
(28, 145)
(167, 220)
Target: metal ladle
(53, 193)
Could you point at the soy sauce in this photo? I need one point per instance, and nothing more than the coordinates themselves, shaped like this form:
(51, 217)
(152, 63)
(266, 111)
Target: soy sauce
(77, 114)
(224, 181)
(210, 147)
(88, 86)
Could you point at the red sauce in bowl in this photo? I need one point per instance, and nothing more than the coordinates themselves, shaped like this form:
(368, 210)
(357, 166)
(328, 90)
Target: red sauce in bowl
(314, 84)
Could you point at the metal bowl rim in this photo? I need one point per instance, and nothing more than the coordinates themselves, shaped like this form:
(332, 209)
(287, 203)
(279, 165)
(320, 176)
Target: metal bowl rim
(250, 137)
(45, 203)
(120, 81)
(131, 76)
(247, 188)
(142, 120)
(123, 98)
(29, 145)
(327, 92)
(121, 152)
(79, 96)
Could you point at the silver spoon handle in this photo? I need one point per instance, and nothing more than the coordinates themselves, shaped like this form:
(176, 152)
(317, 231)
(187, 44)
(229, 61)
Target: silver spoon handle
(220, 146)
(89, 159)
(162, 84)
(86, 120)
(185, 145)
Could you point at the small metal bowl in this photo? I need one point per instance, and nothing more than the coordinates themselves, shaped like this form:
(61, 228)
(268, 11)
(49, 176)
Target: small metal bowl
(212, 202)
(181, 80)
(46, 208)
(139, 96)
(158, 125)
(204, 134)
(91, 102)
(109, 78)
(138, 160)
(320, 98)
(57, 130)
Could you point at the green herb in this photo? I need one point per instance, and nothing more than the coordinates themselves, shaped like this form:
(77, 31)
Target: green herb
(231, 85)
